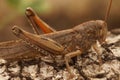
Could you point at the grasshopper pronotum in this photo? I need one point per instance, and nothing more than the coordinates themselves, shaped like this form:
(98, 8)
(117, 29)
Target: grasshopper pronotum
(67, 43)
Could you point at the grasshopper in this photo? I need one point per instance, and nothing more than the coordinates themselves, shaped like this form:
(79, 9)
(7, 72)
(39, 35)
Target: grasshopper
(66, 43)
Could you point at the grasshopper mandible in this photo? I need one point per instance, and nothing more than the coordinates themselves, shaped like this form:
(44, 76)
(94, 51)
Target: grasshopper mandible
(67, 43)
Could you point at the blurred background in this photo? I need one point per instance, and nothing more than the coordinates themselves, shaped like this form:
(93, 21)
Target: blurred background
(59, 14)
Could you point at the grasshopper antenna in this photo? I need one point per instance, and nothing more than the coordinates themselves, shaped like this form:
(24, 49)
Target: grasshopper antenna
(108, 10)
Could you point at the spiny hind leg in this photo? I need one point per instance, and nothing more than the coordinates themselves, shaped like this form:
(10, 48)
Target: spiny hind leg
(68, 57)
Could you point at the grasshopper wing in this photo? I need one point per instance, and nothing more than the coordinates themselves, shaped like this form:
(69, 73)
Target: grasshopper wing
(16, 50)
(40, 41)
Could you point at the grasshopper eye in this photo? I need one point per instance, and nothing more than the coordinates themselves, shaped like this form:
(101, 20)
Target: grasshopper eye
(100, 27)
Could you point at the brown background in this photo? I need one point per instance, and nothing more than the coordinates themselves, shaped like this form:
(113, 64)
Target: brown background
(60, 14)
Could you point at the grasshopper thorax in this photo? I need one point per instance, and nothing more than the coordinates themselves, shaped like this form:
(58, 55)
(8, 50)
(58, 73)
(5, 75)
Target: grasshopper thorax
(93, 30)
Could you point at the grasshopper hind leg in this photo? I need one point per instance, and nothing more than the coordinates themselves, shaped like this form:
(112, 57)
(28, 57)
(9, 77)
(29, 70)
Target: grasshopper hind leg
(37, 22)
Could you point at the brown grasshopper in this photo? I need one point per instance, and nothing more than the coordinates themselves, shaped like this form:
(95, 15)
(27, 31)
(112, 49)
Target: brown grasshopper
(67, 43)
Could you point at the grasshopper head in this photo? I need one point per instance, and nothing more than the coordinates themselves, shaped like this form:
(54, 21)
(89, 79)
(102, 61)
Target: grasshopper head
(102, 33)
